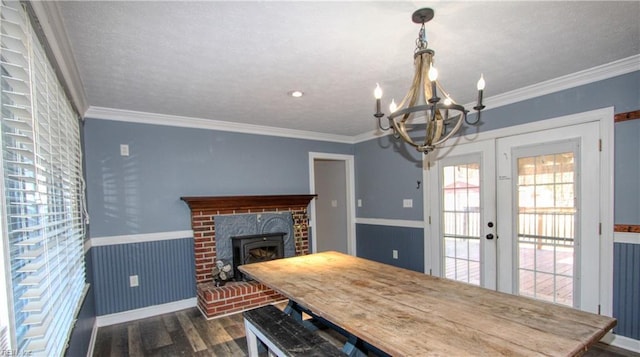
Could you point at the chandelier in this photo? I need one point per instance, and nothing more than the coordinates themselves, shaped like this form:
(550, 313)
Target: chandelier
(443, 117)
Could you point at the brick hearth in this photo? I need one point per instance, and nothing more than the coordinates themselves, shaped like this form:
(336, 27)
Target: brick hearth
(237, 296)
(233, 297)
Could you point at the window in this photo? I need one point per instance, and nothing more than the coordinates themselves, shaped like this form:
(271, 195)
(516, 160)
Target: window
(461, 221)
(546, 223)
(42, 192)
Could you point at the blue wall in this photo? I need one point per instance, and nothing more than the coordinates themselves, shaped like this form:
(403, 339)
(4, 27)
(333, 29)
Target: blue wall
(626, 289)
(165, 269)
(141, 193)
(378, 242)
(627, 172)
(386, 173)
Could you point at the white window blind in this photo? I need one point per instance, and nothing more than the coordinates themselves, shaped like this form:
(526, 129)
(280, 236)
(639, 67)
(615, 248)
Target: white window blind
(41, 191)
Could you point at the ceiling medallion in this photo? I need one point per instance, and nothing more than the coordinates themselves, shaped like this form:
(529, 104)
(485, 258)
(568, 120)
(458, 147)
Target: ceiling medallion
(443, 117)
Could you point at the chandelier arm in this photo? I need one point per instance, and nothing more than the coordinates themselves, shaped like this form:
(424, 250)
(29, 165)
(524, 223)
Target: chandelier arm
(474, 122)
(455, 129)
(401, 129)
(423, 107)
(381, 127)
(409, 110)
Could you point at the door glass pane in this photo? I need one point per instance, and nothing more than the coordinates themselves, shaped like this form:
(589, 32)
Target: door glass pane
(461, 222)
(546, 227)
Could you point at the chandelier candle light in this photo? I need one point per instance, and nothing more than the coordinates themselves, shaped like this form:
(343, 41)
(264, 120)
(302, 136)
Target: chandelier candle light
(422, 98)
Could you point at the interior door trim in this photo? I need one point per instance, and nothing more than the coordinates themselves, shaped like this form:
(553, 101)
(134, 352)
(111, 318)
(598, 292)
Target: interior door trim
(349, 163)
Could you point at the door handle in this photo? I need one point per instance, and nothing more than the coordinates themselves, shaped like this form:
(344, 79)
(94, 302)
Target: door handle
(489, 236)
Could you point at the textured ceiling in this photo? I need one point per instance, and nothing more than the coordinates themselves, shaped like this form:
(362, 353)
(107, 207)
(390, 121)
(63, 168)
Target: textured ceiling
(236, 61)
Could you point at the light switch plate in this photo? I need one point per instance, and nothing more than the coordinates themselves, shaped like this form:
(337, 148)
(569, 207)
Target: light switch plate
(407, 203)
(359, 202)
(395, 254)
(334, 203)
(124, 150)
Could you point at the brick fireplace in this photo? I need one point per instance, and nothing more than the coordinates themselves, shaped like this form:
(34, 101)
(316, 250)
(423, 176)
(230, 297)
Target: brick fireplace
(238, 296)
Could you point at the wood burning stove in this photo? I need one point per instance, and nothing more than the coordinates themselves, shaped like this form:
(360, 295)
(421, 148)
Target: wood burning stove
(256, 248)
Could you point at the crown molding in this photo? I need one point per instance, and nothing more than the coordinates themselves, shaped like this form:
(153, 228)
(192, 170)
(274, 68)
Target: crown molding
(209, 124)
(50, 19)
(594, 74)
(374, 134)
(598, 73)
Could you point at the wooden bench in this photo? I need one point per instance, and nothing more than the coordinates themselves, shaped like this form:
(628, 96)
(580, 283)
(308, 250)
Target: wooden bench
(283, 335)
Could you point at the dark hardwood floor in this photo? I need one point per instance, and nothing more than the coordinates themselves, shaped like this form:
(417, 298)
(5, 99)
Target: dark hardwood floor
(183, 333)
(188, 333)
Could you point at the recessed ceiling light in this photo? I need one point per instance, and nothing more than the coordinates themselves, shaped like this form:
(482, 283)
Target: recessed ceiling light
(296, 93)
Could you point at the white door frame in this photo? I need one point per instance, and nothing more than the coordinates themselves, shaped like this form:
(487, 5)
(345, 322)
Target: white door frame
(604, 118)
(349, 164)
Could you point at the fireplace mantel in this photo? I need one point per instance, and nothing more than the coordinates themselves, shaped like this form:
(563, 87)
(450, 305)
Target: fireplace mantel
(246, 202)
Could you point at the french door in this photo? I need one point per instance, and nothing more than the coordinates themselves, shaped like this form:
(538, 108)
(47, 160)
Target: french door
(464, 219)
(520, 214)
(548, 198)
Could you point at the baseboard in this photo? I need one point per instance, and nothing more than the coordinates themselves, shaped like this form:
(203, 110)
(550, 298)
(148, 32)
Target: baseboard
(149, 311)
(623, 342)
(92, 341)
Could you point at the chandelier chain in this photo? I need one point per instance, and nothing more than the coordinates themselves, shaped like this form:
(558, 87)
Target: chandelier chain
(421, 41)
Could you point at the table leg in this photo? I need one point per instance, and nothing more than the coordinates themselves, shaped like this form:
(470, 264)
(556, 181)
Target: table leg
(294, 310)
(354, 346)
(350, 348)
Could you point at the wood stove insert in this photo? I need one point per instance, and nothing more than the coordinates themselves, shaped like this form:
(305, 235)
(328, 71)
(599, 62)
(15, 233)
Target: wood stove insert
(255, 248)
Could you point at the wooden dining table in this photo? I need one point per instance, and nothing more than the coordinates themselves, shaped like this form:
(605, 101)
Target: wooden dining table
(406, 313)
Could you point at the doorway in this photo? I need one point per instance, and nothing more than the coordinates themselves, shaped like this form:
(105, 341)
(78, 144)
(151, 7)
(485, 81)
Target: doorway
(333, 211)
(522, 214)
